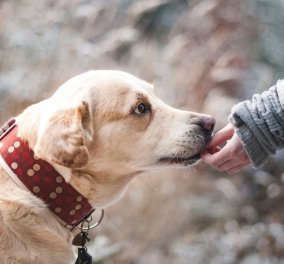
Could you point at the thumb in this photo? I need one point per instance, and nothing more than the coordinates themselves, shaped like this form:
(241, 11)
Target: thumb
(221, 136)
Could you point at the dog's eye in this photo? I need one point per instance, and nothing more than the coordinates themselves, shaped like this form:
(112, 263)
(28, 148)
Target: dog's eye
(141, 109)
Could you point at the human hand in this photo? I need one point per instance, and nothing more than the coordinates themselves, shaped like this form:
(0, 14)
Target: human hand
(232, 157)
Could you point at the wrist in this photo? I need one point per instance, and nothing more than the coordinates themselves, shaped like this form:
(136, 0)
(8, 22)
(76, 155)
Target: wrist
(257, 155)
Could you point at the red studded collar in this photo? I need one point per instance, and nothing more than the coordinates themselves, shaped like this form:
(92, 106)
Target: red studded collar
(38, 176)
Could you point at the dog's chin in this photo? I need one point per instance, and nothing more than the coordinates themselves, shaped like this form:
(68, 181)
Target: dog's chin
(183, 161)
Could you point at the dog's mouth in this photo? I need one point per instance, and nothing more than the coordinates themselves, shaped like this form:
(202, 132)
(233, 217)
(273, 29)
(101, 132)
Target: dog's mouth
(185, 161)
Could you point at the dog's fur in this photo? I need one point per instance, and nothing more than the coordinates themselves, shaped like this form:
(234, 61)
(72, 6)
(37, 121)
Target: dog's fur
(91, 131)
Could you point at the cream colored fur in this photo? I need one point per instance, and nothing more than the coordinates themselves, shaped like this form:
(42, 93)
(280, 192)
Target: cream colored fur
(91, 131)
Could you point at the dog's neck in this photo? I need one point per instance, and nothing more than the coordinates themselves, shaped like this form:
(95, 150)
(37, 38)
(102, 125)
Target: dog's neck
(40, 178)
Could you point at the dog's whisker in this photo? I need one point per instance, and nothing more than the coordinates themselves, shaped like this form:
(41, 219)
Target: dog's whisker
(151, 184)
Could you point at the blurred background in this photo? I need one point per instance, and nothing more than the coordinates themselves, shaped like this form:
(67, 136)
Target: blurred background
(203, 55)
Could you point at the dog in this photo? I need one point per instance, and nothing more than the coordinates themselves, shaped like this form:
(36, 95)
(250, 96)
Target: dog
(98, 131)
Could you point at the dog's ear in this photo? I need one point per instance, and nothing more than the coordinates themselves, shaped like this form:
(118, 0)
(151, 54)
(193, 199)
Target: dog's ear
(65, 136)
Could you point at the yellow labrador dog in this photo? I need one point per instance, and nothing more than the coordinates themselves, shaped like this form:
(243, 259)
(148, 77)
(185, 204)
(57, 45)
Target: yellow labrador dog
(98, 131)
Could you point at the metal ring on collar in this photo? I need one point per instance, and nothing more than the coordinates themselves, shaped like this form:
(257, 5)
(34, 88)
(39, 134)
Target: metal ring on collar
(88, 220)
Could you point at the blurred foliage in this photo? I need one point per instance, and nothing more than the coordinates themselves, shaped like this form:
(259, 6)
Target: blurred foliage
(203, 55)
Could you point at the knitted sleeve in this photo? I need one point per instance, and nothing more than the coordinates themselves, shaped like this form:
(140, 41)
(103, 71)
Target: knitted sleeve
(259, 123)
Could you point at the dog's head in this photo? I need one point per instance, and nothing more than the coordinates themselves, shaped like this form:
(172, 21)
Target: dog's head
(111, 123)
(111, 118)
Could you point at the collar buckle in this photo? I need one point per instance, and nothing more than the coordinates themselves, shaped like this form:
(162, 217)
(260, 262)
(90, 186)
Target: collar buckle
(7, 128)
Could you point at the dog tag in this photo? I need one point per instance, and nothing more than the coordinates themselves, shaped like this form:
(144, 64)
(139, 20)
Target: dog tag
(80, 239)
(83, 256)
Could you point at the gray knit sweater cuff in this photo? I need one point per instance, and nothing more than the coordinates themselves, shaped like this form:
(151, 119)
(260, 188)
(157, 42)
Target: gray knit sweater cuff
(259, 124)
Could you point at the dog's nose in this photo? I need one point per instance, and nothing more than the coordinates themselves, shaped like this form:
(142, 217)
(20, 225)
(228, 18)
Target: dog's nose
(207, 122)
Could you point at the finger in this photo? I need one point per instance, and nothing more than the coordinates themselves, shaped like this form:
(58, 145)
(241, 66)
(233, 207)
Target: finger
(205, 155)
(217, 158)
(231, 164)
(214, 150)
(235, 157)
(221, 136)
(236, 169)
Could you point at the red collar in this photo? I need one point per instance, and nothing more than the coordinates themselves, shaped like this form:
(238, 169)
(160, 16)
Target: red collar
(40, 177)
